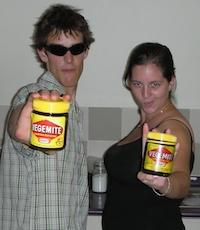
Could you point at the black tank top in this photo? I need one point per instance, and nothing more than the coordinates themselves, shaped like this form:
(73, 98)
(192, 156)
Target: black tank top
(130, 204)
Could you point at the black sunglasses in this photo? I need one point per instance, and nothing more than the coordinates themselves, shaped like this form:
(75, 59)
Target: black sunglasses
(60, 50)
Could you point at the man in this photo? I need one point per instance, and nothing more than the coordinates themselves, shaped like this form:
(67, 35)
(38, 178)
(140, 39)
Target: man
(38, 190)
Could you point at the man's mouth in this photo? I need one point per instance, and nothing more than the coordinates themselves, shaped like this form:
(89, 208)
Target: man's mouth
(67, 70)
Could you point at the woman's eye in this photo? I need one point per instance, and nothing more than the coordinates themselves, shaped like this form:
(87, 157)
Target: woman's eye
(137, 84)
(155, 85)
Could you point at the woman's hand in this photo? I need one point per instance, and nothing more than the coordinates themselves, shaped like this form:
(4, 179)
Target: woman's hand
(160, 183)
(144, 137)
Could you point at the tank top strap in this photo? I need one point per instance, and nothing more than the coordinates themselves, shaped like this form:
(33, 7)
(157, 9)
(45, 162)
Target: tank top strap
(184, 122)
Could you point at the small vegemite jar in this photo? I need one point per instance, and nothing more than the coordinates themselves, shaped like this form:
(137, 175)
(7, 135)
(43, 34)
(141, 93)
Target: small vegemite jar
(159, 153)
(49, 124)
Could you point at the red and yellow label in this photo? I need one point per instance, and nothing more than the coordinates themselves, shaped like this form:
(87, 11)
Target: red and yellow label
(48, 132)
(159, 158)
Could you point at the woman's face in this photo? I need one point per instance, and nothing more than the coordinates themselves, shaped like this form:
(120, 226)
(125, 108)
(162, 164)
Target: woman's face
(149, 88)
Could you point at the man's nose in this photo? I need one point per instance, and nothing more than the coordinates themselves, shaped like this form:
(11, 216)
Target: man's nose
(68, 57)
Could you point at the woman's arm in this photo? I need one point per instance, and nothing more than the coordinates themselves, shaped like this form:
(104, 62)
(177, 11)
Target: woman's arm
(178, 183)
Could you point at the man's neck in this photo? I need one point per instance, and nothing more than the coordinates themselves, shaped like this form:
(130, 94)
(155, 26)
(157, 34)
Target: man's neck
(71, 91)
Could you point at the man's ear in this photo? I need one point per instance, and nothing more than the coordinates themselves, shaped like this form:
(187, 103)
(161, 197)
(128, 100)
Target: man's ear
(42, 54)
(85, 53)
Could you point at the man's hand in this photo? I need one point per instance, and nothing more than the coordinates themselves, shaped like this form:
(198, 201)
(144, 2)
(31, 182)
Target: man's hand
(20, 119)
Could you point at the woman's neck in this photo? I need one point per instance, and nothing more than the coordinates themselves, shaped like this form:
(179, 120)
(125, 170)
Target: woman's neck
(156, 117)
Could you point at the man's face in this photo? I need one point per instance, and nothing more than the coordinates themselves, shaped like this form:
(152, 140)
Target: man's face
(66, 69)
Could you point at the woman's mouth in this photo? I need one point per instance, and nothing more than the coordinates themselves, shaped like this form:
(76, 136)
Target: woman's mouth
(148, 105)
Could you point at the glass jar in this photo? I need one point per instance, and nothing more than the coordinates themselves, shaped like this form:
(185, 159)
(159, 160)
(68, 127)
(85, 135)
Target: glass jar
(99, 177)
(159, 153)
(49, 124)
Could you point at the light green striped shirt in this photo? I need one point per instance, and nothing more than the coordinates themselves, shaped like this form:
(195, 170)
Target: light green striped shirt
(39, 191)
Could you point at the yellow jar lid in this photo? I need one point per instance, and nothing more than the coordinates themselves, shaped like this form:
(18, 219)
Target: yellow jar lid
(48, 106)
(162, 136)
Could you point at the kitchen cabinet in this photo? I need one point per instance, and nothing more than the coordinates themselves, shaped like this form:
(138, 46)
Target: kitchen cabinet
(94, 223)
(191, 223)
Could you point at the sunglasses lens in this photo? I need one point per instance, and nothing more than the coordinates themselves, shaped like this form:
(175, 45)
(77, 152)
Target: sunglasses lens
(77, 49)
(59, 50)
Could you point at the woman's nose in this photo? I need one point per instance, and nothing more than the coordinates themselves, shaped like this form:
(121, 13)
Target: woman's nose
(146, 91)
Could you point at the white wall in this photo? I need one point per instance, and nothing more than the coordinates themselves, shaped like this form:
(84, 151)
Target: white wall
(118, 26)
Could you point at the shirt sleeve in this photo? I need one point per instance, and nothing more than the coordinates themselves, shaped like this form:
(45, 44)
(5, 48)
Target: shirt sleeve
(20, 98)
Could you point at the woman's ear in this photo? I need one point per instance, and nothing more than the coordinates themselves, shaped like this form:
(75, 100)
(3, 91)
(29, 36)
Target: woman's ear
(42, 54)
(172, 84)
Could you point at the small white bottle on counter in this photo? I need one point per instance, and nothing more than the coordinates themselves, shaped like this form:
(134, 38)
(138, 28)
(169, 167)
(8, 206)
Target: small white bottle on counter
(99, 177)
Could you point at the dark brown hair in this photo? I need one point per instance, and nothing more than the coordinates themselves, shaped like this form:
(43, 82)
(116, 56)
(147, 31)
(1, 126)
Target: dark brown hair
(148, 52)
(60, 18)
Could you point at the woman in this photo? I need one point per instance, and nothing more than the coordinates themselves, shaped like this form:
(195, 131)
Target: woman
(136, 200)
